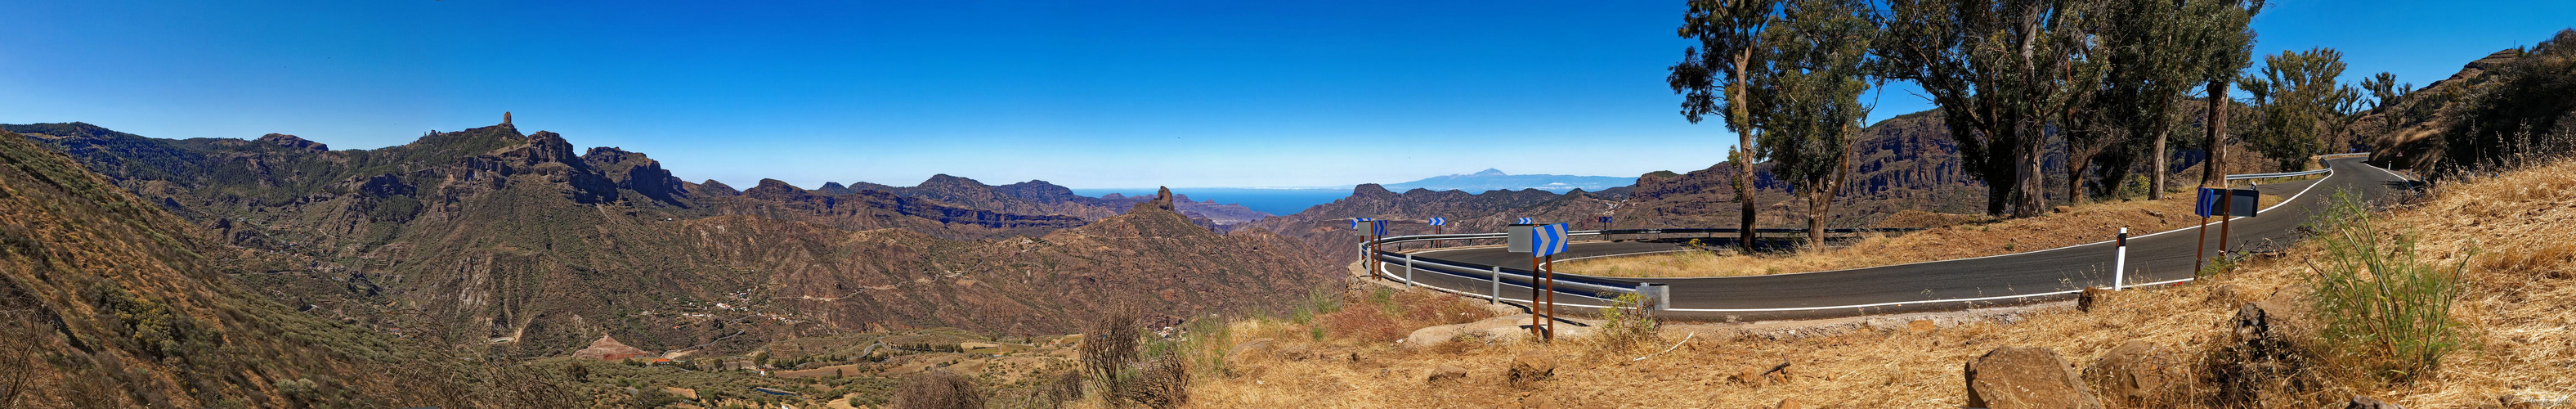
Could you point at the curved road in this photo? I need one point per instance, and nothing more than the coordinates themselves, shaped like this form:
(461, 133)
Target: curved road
(1943, 285)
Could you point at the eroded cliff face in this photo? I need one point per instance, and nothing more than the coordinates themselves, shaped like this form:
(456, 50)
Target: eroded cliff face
(515, 241)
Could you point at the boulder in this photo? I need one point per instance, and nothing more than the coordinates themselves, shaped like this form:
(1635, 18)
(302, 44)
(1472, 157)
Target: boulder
(2025, 377)
(2137, 374)
(2092, 297)
(1531, 367)
(1446, 373)
(2365, 402)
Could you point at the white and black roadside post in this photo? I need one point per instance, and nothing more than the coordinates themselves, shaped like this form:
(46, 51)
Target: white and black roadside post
(1408, 269)
(1497, 294)
(2120, 261)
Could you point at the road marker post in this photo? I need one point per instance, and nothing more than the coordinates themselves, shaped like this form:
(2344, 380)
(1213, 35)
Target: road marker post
(1496, 296)
(2119, 262)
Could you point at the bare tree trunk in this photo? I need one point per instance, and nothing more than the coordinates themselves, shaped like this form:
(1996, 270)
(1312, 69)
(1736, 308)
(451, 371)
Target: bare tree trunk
(2217, 126)
(2027, 180)
(1744, 191)
(2156, 176)
(1820, 202)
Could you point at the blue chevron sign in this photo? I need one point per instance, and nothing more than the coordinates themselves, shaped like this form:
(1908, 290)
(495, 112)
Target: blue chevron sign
(1355, 222)
(1380, 226)
(1525, 220)
(1547, 240)
(1605, 219)
(1439, 221)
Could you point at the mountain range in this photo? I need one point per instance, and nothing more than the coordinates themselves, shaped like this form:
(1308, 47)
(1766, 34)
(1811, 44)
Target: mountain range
(517, 242)
(1492, 179)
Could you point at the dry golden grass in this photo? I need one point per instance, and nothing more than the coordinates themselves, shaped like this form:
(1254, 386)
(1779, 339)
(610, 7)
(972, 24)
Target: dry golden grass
(2083, 224)
(2516, 310)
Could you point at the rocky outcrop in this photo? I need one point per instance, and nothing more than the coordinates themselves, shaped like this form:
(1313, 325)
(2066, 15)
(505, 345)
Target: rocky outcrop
(290, 141)
(2025, 378)
(635, 172)
(1162, 201)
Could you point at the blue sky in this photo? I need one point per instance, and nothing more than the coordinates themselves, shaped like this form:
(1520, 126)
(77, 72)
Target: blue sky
(1081, 93)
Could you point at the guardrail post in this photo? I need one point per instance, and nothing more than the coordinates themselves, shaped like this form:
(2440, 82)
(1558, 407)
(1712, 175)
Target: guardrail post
(1408, 269)
(1497, 295)
(1660, 297)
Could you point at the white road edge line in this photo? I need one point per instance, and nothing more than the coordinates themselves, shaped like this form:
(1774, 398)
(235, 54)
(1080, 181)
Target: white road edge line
(2284, 202)
(2302, 192)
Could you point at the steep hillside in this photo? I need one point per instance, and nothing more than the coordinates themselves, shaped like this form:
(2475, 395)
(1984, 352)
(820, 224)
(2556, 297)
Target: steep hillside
(112, 302)
(2513, 106)
(512, 241)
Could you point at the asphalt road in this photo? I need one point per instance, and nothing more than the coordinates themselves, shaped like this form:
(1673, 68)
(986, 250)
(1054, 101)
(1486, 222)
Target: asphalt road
(1949, 284)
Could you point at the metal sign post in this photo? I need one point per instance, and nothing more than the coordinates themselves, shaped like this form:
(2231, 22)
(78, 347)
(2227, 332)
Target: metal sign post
(1377, 229)
(2200, 252)
(1542, 242)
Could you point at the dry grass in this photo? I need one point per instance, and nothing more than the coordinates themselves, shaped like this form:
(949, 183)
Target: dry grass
(2516, 310)
(2083, 224)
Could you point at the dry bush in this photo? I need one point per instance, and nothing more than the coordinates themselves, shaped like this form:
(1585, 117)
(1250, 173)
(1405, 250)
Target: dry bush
(937, 389)
(1364, 323)
(1066, 387)
(1428, 308)
(1111, 345)
(1163, 382)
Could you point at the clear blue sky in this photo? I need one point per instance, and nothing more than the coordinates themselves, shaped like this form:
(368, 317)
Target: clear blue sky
(1082, 93)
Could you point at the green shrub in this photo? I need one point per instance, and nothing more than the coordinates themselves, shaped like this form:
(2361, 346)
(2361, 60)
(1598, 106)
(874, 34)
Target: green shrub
(2384, 308)
(1629, 322)
(1318, 302)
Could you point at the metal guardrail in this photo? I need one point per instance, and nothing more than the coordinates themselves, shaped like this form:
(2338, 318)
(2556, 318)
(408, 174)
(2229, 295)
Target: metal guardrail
(2276, 175)
(1579, 285)
(1502, 275)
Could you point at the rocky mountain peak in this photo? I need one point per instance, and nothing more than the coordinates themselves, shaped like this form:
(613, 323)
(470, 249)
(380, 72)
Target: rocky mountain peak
(291, 141)
(944, 180)
(713, 186)
(1489, 172)
(1371, 190)
(834, 188)
(774, 189)
(1162, 201)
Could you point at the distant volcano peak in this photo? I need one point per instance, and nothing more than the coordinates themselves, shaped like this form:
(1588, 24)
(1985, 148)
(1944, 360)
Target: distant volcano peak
(1488, 172)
